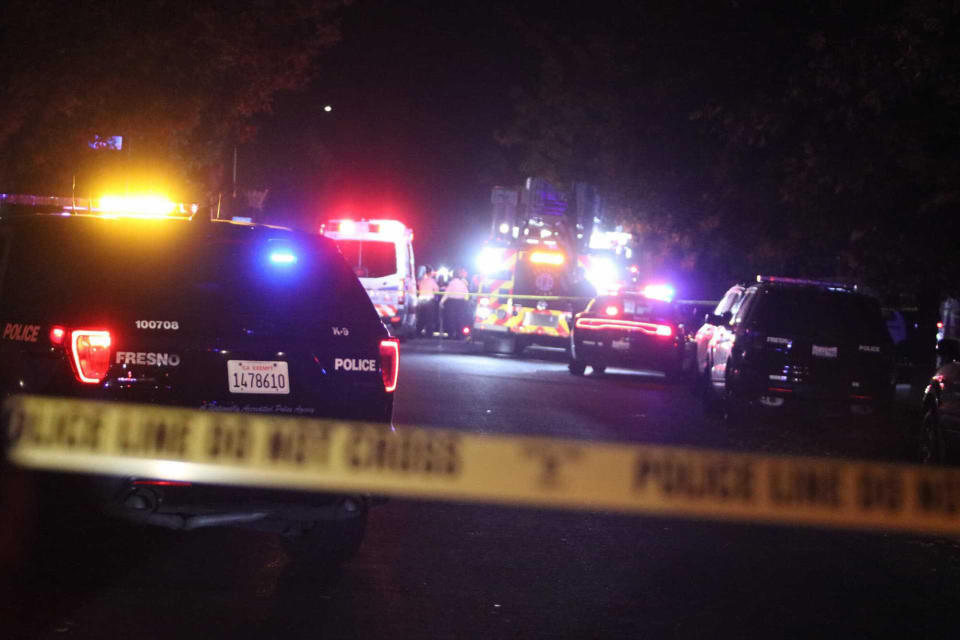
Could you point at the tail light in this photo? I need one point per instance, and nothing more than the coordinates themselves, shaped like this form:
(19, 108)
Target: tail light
(90, 354)
(389, 363)
(612, 310)
(649, 328)
(57, 334)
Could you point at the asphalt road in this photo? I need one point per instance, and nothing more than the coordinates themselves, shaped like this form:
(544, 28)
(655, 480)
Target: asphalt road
(445, 570)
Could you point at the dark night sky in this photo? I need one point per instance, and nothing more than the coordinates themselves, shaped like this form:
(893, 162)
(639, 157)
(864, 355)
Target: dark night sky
(418, 89)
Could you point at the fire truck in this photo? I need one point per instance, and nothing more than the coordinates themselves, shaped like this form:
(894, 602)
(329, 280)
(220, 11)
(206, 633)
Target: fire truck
(381, 254)
(536, 271)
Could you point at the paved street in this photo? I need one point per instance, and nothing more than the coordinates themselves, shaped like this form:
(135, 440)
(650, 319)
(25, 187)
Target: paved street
(471, 571)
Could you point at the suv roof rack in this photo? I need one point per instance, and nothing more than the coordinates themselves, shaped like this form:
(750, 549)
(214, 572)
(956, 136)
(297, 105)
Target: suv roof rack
(808, 282)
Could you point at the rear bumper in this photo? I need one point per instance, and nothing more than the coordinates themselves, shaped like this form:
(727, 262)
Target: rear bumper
(188, 506)
(837, 398)
(600, 350)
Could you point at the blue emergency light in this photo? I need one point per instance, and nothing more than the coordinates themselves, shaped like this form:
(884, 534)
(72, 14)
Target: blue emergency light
(282, 257)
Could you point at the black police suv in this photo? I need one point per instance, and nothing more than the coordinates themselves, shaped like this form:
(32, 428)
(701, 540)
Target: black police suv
(205, 314)
(631, 331)
(938, 433)
(806, 344)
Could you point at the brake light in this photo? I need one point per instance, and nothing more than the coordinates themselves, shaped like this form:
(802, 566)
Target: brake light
(612, 310)
(57, 334)
(649, 328)
(90, 354)
(389, 363)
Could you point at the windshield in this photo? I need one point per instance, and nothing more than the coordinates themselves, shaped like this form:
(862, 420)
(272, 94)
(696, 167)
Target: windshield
(837, 316)
(370, 258)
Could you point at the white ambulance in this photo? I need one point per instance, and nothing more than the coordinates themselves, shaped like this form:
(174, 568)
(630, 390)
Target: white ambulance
(381, 254)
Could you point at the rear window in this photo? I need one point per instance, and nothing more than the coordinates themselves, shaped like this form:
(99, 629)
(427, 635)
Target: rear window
(817, 313)
(370, 258)
(222, 274)
(638, 308)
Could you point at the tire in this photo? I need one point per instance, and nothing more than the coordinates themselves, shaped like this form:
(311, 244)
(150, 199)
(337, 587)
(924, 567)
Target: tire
(519, 344)
(708, 395)
(576, 367)
(327, 544)
(930, 445)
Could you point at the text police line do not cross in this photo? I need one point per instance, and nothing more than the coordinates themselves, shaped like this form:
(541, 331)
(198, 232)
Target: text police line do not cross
(301, 453)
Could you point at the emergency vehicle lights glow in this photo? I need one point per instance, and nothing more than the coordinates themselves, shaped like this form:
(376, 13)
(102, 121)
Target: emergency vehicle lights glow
(489, 259)
(612, 310)
(90, 354)
(390, 227)
(504, 227)
(57, 334)
(662, 292)
(601, 273)
(389, 363)
(346, 226)
(283, 256)
(546, 257)
(144, 206)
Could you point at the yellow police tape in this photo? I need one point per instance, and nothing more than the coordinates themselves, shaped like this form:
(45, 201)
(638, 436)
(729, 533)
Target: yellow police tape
(299, 453)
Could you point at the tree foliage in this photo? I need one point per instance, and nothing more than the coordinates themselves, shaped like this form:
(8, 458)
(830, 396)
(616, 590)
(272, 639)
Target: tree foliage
(179, 80)
(816, 139)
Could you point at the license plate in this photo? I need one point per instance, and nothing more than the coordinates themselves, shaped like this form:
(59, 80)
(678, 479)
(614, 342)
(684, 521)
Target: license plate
(621, 345)
(258, 376)
(824, 352)
(541, 320)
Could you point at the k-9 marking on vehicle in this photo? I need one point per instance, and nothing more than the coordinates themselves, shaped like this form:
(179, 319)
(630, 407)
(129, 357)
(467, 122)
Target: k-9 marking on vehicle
(341, 331)
(21, 332)
(355, 364)
(169, 325)
(148, 358)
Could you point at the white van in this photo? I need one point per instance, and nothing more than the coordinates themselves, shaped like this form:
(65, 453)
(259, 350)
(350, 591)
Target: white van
(381, 254)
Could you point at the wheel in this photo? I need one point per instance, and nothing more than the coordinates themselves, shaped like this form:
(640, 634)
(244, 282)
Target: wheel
(519, 344)
(576, 367)
(708, 395)
(931, 448)
(732, 406)
(326, 544)
(598, 369)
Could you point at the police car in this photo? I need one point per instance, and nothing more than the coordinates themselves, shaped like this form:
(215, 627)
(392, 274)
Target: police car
(816, 346)
(632, 330)
(205, 314)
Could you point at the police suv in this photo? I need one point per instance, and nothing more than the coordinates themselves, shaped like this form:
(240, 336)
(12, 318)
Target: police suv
(205, 314)
(789, 343)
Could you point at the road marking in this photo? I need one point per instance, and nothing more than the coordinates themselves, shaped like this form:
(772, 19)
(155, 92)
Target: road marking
(328, 455)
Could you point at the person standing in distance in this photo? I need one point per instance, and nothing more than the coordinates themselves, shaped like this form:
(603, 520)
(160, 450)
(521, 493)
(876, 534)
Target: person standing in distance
(455, 305)
(427, 290)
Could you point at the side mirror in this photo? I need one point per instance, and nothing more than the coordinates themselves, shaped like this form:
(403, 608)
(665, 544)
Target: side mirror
(949, 350)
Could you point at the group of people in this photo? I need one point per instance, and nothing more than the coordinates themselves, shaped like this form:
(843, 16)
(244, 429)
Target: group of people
(450, 312)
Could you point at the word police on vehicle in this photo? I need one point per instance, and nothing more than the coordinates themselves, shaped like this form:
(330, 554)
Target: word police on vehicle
(355, 364)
